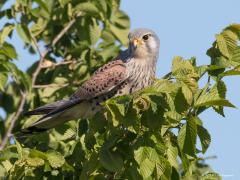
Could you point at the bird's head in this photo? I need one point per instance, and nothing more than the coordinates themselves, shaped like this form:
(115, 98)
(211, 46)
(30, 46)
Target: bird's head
(143, 43)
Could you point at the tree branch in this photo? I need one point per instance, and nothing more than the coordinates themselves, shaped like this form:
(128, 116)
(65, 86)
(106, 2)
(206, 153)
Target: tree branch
(65, 29)
(34, 78)
(50, 85)
(13, 121)
(54, 42)
(62, 62)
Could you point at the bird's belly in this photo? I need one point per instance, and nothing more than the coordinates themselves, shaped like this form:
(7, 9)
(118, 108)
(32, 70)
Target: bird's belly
(82, 110)
(131, 88)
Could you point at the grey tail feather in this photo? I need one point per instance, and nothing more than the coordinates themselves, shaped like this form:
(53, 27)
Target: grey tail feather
(29, 131)
(35, 112)
(68, 104)
(48, 110)
(24, 133)
(45, 109)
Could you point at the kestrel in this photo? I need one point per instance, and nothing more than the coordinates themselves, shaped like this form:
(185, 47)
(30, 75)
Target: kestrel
(133, 70)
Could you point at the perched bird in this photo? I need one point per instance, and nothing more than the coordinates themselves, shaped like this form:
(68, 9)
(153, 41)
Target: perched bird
(131, 71)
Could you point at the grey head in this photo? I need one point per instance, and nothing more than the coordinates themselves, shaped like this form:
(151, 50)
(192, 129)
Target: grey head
(144, 43)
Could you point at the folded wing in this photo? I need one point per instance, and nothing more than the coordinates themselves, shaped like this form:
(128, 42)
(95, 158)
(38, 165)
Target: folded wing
(106, 79)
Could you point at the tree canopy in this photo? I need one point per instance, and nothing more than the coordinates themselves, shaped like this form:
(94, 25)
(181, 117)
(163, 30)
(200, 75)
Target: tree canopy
(151, 134)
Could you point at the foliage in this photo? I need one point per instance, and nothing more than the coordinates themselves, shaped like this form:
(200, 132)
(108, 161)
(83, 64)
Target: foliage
(149, 135)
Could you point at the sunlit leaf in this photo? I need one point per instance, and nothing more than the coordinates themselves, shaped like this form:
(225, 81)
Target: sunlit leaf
(5, 32)
(88, 8)
(55, 159)
(204, 137)
(8, 50)
(24, 33)
(187, 137)
(3, 80)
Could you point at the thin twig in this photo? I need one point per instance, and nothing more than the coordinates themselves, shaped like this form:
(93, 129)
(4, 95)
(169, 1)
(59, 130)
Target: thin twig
(34, 78)
(13, 121)
(35, 45)
(38, 69)
(57, 64)
(50, 85)
(54, 42)
(65, 29)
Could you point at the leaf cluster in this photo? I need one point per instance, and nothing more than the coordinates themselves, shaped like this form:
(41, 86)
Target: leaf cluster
(151, 134)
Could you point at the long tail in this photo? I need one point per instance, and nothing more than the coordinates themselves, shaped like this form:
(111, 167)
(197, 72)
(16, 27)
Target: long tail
(54, 114)
(45, 109)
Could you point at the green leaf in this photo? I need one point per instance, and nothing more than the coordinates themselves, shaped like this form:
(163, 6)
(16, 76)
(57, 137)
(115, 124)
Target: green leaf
(180, 102)
(63, 2)
(231, 72)
(221, 88)
(185, 73)
(217, 102)
(69, 133)
(55, 159)
(172, 153)
(181, 67)
(147, 158)
(201, 70)
(18, 170)
(42, 4)
(146, 168)
(236, 55)
(19, 76)
(7, 165)
(118, 108)
(24, 33)
(167, 171)
(222, 44)
(226, 42)
(3, 172)
(120, 19)
(132, 173)
(145, 152)
(88, 8)
(211, 176)
(38, 27)
(160, 168)
(187, 94)
(19, 149)
(215, 97)
(102, 5)
(112, 161)
(174, 117)
(219, 110)
(7, 29)
(187, 137)
(204, 137)
(35, 162)
(39, 154)
(8, 50)
(3, 80)
(94, 32)
(120, 34)
(90, 165)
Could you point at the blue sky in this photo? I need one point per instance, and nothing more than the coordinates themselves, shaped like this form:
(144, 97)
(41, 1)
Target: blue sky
(187, 28)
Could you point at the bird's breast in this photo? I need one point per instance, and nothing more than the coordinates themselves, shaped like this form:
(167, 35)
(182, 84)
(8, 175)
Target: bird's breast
(141, 74)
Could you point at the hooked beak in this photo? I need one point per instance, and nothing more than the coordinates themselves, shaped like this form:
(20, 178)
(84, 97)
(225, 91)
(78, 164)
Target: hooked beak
(136, 42)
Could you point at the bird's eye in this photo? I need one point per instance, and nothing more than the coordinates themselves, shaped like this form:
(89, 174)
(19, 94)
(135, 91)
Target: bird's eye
(145, 37)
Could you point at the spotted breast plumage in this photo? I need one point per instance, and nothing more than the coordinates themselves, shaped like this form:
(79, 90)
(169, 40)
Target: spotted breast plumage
(132, 70)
